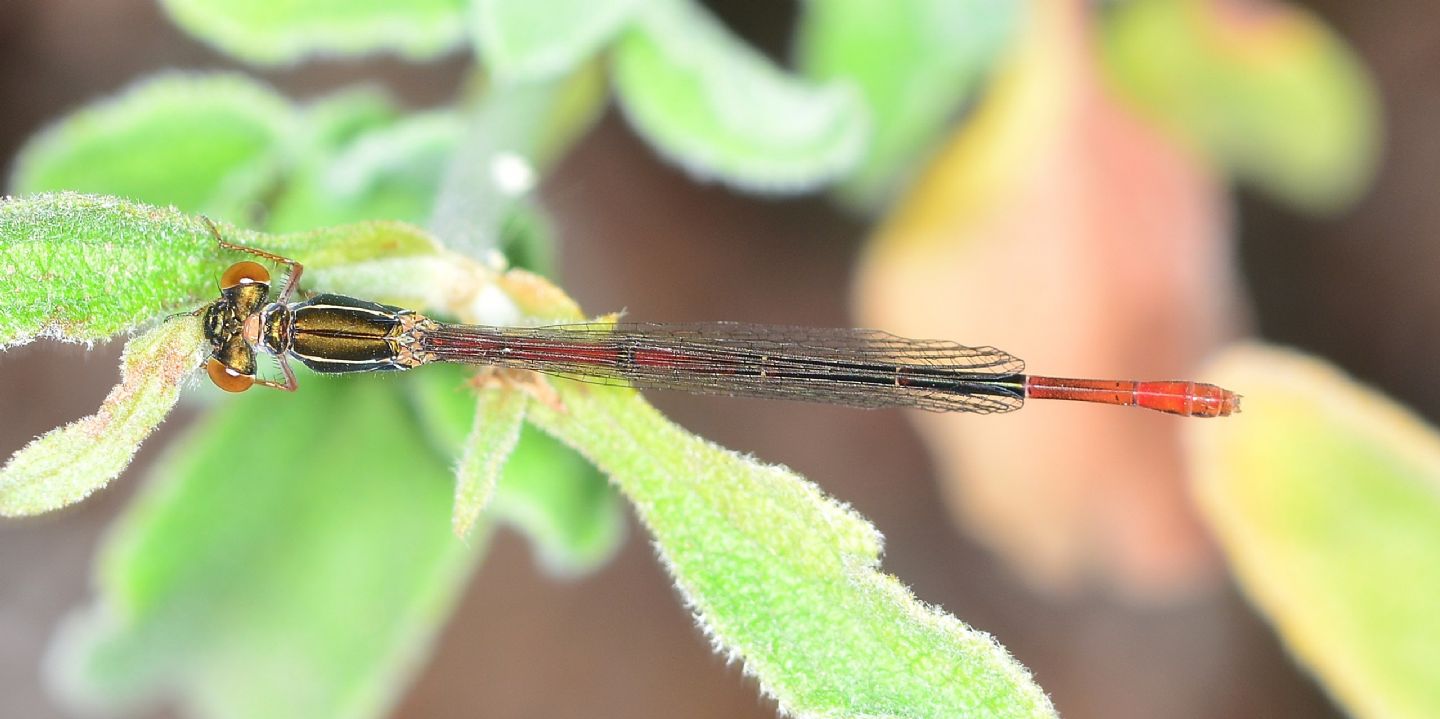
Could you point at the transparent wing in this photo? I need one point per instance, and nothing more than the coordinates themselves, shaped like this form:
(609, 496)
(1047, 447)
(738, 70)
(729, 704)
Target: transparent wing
(852, 367)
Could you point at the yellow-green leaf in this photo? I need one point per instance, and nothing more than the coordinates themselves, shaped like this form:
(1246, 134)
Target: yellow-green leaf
(499, 414)
(65, 465)
(786, 579)
(1326, 497)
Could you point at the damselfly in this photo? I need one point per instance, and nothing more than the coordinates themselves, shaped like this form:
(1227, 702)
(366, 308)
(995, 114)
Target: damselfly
(852, 367)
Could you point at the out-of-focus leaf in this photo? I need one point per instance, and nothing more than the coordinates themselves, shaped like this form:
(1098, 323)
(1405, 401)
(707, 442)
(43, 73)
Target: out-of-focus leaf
(786, 579)
(555, 498)
(85, 268)
(1057, 226)
(65, 465)
(284, 31)
(915, 61)
(566, 508)
(511, 136)
(292, 559)
(335, 121)
(204, 143)
(499, 414)
(528, 240)
(390, 173)
(522, 40)
(1266, 88)
(1326, 498)
(723, 111)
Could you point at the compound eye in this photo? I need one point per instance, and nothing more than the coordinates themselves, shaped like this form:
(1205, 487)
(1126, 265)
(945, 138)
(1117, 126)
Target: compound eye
(226, 378)
(244, 273)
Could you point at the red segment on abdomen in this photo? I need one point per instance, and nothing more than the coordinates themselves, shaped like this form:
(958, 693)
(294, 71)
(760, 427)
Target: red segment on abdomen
(1190, 399)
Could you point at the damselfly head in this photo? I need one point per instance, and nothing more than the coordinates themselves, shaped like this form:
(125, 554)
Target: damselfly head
(244, 289)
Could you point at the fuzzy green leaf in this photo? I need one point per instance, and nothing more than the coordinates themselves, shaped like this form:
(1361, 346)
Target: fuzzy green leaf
(205, 143)
(786, 579)
(65, 465)
(85, 268)
(547, 492)
(522, 40)
(291, 559)
(1326, 498)
(499, 414)
(1275, 95)
(915, 62)
(283, 31)
(723, 111)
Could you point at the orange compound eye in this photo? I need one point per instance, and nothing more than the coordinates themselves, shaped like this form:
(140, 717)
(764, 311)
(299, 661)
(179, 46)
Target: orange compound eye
(226, 378)
(244, 273)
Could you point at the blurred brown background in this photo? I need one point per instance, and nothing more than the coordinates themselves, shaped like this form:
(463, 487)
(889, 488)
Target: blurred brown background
(1358, 289)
